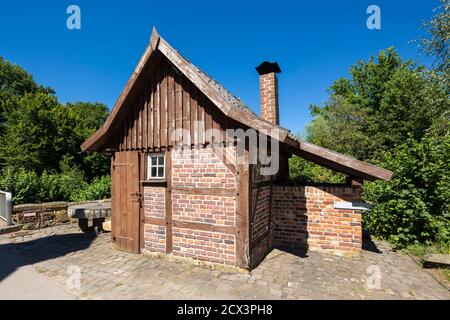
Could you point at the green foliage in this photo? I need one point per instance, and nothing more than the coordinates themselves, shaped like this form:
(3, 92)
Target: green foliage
(69, 185)
(40, 155)
(394, 114)
(414, 207)
(420, 250)
(383, 102)
(99, 188)
(14, 84)
(301, 170)
(436, 43)
(79, 121)
(31, 139)
(38, 133)
(23, 184)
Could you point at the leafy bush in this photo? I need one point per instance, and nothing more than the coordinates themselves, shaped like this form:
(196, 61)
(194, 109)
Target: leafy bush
(414, 207)
(98, 189)
(301, 170)
(23, 184)
(50, 188)
(70, 185)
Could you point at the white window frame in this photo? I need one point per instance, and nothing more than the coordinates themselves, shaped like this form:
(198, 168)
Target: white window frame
(157, 166)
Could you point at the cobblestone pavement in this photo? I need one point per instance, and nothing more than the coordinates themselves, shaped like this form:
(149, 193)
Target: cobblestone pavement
(58, 252)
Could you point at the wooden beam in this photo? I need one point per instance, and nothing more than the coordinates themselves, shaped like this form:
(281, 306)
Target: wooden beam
(206, 191)
(204, 227)
(155, 221)
(336, 161)
(242, 215)
(168, 195)
(141, 202)
(226, 160)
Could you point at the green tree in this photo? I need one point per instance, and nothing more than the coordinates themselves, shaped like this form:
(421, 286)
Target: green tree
(436, 42)
(31, 139)
(37, 132)
(15, 82)
(414, 207)
(76, 122)
(382, 102)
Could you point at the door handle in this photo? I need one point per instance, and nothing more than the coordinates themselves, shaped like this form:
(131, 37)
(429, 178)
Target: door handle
(135, 196)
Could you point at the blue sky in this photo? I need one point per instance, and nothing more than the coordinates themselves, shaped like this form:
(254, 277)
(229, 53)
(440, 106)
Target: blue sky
(314, 43)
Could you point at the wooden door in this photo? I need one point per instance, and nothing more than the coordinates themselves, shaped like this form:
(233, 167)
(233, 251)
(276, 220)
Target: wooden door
(125, 201)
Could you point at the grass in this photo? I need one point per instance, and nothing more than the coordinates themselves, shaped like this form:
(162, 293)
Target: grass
(420, 250)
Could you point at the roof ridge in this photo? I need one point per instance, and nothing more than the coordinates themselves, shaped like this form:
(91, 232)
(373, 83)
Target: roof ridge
(220, 88)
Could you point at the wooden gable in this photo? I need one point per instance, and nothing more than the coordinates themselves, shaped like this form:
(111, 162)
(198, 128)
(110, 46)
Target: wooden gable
(165, 103)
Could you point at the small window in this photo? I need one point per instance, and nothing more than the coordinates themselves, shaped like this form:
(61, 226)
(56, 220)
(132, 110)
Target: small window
(155, 167)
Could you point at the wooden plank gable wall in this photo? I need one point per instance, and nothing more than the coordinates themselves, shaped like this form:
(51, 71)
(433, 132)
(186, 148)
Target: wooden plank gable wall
(167, 102)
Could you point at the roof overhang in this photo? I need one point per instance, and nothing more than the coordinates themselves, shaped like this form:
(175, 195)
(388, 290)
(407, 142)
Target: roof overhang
(336, 161)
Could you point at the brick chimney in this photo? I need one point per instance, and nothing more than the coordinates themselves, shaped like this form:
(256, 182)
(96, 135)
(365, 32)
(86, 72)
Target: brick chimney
(268, 83)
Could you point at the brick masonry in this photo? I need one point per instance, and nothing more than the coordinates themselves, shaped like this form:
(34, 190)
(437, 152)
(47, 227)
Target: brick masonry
(203, 168)
(196, 169)
(269, 97)
(154, 207)
(260, 224)
(294, 216)
(215, 210)
(154, 202)
(304, 216)
(204, 245)
(155, 238)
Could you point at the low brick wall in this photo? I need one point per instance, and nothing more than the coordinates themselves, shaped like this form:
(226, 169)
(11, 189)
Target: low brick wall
(43, 215)
(304, 216)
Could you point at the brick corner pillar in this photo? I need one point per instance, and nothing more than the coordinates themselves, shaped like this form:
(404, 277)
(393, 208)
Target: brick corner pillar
(268, 82)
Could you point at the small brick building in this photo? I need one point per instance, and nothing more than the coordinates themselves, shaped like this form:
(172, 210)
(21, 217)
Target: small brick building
(185, 181)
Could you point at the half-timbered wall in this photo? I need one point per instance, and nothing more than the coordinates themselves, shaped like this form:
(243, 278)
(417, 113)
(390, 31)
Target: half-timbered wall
(203, 206)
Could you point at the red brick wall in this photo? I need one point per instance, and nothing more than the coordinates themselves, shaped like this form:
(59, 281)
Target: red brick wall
(154, 202)
(197, 169)
(260, 221)
(154, 207)
(202, 168)
(305, 216)
(155, 238)
(204, 245)
(216, 210)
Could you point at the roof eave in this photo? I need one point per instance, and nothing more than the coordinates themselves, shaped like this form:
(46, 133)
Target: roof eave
(337, 161)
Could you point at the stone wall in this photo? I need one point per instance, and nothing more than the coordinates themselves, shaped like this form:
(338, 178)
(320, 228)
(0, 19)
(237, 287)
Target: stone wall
(304, 216)
(43, 215)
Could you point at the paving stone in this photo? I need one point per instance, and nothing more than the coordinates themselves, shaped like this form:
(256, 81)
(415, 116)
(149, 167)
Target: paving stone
(110, 274)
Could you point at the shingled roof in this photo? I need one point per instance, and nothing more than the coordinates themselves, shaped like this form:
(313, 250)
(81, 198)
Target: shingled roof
(221, 90)
(234, 108)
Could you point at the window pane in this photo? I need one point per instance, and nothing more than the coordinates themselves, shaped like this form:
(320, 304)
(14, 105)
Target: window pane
(153, 161)
(153, 174)
(160, 172)
(161, 160)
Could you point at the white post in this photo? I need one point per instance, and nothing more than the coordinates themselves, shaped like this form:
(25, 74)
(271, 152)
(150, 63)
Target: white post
(6, 207)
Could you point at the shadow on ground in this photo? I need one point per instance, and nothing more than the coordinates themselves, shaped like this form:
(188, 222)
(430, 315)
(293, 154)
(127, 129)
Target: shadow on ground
(16, 255)
(368, 244)
(301, 252)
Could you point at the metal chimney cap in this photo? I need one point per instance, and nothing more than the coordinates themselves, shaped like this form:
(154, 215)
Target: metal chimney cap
(268, 67)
